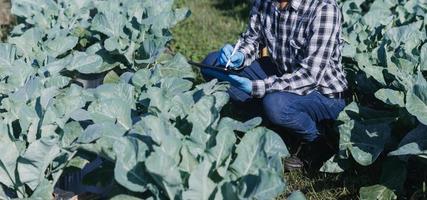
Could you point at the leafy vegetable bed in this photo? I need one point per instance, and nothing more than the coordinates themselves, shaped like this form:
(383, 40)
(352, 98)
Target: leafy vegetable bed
(160, 135)
(386, 60)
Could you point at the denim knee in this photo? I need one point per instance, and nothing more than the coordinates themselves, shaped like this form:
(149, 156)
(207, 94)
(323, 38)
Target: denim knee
(211, 58)
(280, 109)
(274, 108)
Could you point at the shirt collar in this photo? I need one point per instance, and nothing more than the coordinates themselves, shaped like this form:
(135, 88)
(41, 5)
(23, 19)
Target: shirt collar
(295, 4)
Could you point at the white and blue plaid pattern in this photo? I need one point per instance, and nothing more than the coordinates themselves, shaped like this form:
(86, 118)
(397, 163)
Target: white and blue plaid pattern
(304, 40)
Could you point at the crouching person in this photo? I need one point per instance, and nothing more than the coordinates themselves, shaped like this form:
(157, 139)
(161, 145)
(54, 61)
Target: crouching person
(302, 83)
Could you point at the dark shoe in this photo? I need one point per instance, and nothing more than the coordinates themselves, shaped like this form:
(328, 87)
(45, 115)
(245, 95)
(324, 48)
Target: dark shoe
(315, 153)
(310, 156)
(293, 163)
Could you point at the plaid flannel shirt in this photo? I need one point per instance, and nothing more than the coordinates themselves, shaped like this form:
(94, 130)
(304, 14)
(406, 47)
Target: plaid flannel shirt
(304, 41)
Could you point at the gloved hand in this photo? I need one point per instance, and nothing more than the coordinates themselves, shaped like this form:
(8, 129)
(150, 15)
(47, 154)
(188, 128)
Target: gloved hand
(239, 82)
(236, 60)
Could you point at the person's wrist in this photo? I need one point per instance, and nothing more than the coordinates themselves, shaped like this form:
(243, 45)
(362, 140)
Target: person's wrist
(241, 59)
(250, 88)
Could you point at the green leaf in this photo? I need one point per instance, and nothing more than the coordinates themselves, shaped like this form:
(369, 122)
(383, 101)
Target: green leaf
(391, 97)
(416, 99)
(71, 132)
(105, 136)
(33, 164)
(92, 133)
(141, 78)
(250, 153)
(167, 100)
(163, 133)
(124, 197)
(221, 99)
(27, 43)
(109, 21)
(64, 104)
(377, 192)
(375, 72)
(200, 185)
(164, 170)
(60, 45)
(227, 190)
(161, 16)
(379, 14)
(175, 86)
(188, 161)
(414, 143)
(113, 111)
(406, 33)
(120, 91)
(334, 165)
(3, 194)
(57, 82)
(176, 67)
(8, 158)
(55, 67)
(7, 54)
(275, 149)
(274, 144)
(367, 141)
(267, 185)
(111, 77)
(87, 64)
(415, 7)
(228, 123)
(77, 163)
(364, 132)
(43, 191)
(417, 107)
(203, 114)
(423, 57)
(225, 141)
(297, 195)
(151, 49)
(129, 170)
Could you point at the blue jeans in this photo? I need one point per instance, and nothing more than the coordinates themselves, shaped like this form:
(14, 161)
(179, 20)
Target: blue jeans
(302, 115)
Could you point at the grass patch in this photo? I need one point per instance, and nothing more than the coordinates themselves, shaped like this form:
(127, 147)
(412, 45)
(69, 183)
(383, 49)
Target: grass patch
(212, 24)
(322, 186)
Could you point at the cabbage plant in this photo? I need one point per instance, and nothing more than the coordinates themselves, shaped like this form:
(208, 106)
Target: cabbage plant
(385, 57)
(160, 135)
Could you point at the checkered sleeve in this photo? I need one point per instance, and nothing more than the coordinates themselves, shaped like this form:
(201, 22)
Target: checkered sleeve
(324, 28)
(250, 38)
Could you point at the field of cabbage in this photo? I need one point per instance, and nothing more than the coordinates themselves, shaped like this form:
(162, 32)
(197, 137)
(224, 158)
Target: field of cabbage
(157, 134)
(386, 60)
(87, 81)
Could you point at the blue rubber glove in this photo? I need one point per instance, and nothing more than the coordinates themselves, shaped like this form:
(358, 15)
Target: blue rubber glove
(236, 60)
(239, 82)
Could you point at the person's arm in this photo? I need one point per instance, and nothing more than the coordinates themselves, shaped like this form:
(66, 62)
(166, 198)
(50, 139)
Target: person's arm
(250, 38)
(324, 29)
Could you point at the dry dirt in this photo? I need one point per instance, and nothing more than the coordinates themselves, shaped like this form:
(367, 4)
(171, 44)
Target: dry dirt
(5, 17)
